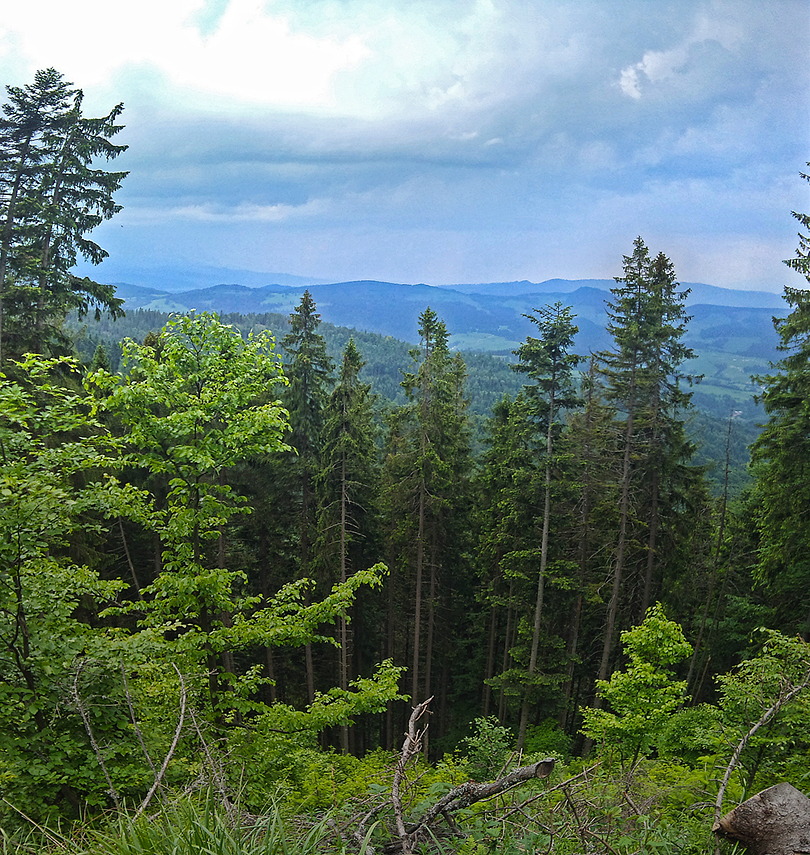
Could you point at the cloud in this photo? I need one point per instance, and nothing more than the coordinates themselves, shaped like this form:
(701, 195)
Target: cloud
(211, 213)
(440, 137)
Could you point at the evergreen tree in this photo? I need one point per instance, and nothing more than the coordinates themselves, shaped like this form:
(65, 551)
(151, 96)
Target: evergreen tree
(781, 457)
(51, 197)
(308, 369)
(549, 364)
(347, 487)
(643, 378)
(592, 440)
(507, 506)
(427, 470)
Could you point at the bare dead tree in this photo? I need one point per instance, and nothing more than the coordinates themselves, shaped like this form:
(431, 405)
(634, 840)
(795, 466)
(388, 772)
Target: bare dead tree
(411, 747)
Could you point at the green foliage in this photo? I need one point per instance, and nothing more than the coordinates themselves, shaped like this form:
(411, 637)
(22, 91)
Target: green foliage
(53, 456)
(644, 695)
(547, 739)
(195, 403)
(326, 781)
(52, 194)
(192, 826)
(778, 750)
(487, 749)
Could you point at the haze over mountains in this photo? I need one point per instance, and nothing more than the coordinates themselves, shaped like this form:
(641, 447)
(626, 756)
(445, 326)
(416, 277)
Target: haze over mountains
(731, 331)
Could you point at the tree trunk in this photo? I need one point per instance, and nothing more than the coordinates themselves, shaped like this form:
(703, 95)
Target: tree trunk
(619, 556)
(773, 822)
(541, 579)
(343, 668)
(417, 596)
(489, 669)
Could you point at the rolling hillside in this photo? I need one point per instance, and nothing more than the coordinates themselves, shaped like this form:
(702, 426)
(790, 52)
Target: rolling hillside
(731, 331)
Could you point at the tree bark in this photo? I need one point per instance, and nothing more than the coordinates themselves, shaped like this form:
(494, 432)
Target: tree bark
(775, 821)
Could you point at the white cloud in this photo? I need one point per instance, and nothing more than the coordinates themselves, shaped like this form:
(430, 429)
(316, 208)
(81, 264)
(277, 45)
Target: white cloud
(250, 56)
(209, 213)
(657, 67)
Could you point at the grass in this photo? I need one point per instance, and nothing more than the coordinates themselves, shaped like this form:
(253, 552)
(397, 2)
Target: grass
(189, 826)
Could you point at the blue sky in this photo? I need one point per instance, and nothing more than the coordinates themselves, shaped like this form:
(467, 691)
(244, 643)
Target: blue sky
(442, 141)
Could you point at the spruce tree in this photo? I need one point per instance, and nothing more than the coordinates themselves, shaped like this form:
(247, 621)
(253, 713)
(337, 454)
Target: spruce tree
(309, 371)
(548, 363)
(427, 470)
(51, 196)
(643, 378)
(781, 457)
(347, 486)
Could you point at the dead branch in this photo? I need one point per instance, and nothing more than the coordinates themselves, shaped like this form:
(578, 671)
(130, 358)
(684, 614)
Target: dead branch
(464, 796)
(80, 706)
(172, 748)
(411, 746)
(362, 835)
(134, 719)
(217, 772)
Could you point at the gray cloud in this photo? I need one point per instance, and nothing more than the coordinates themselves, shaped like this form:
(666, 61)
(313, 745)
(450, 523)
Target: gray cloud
(488, 139)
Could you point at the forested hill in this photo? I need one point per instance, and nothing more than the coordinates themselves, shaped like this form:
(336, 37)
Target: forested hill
(489, 378)
(730, 331)
(386, 358)
(230, 582)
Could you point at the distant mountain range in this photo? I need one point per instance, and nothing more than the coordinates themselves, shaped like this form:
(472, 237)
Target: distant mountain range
(731, 331)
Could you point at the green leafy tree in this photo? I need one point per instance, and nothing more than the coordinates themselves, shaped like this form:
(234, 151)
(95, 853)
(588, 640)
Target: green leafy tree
(642, 697)
(196, 402)
(53, 496)
(51, 196)
(764, 706)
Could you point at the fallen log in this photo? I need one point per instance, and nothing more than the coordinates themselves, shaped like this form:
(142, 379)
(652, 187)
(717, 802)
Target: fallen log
(462, 797)
(775, 821)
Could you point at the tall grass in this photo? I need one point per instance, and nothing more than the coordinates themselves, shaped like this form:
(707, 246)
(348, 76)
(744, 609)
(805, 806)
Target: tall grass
(195, 827)
(189, 826)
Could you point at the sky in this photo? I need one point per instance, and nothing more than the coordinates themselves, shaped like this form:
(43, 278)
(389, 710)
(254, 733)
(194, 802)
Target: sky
(442, 141)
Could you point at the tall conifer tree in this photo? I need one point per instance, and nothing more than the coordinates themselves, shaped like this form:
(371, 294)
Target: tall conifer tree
(309, 371)
(51, 196)
(427, 468)
(781, 456)
(643, 375)
(549, 364)
(347, 486)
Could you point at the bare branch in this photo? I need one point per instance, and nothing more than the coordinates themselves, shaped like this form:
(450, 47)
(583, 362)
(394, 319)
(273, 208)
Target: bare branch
(785, 696)
(80, 706)
(411, 746)
(172, 748)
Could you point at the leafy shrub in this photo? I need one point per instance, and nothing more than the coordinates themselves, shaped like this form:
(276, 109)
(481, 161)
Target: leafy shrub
(487, 749)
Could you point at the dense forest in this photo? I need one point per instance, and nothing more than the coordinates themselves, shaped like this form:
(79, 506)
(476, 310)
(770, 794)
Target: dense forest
(233, 561)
